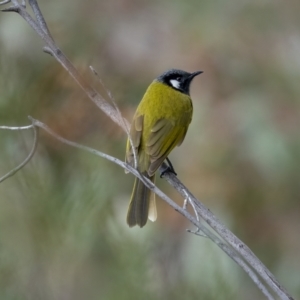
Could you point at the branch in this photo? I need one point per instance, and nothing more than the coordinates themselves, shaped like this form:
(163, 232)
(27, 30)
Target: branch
(16, 128)
(40, 18)
(30, 155)
(41, 29)
(200, 227)
(124, 121)
(228, 236)
(4, 2)
(237, 250)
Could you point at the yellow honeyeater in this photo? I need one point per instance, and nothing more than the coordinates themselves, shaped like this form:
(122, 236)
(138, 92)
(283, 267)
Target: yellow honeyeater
(160, 123)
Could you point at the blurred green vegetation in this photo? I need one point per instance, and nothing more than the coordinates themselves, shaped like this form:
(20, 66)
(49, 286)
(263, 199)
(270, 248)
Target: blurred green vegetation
(62, 219)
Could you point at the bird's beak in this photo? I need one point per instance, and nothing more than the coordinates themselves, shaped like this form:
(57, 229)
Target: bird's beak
(195, 74)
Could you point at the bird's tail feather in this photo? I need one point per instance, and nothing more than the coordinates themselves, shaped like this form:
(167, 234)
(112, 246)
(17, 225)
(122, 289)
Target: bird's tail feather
(142, 204)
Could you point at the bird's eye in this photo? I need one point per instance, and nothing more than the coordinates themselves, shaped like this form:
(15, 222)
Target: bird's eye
(178, 78)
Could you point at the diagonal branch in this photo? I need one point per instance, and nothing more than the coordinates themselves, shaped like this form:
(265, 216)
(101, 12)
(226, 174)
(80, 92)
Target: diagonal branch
(228, 236)
(52, 48)
(125, 123)
(4, 2)
(39, 17)
(200, 227)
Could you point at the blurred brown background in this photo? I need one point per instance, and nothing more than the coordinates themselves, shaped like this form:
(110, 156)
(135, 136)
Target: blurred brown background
(62, 218)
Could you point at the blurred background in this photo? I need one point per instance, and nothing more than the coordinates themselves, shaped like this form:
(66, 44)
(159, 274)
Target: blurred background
(63, 233)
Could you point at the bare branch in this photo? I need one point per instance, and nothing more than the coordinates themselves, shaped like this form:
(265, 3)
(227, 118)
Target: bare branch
(37, 123)
(125, 123)
(48, 50)
(249, 271)
(189, 200)
(39, 17)
(4, 2)
(200, 227)
(11, 9)
(16, 128)
(28, 158)
(51, 47)
(122, 164)
(112, 99)
(238, 250)
(228, 236)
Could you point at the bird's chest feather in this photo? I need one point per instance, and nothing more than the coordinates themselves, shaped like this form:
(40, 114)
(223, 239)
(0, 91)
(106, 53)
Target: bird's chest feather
(161, 101)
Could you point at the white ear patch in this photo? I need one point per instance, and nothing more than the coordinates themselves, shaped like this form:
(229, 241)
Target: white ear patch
(175, 83)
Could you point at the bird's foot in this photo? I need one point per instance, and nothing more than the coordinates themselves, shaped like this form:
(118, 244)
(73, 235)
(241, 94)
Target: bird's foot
(167, 169)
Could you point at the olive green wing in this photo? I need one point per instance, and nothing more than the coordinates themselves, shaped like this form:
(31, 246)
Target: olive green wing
(142, 203)
(180, 141)
(187, 117)
(164, 136)
(134, 139)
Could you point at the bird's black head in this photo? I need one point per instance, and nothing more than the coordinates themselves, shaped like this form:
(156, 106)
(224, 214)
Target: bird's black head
(178, 79)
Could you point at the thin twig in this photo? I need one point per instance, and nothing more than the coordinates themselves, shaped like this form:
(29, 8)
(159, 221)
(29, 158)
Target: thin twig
(115, 160)
(39, 17)
(16, 128)
(189, 200)
(4, 2)
(125, 123)
(197, 232)
(28, 158)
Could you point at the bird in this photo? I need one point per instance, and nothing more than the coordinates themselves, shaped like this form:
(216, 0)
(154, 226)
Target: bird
(159, 124)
